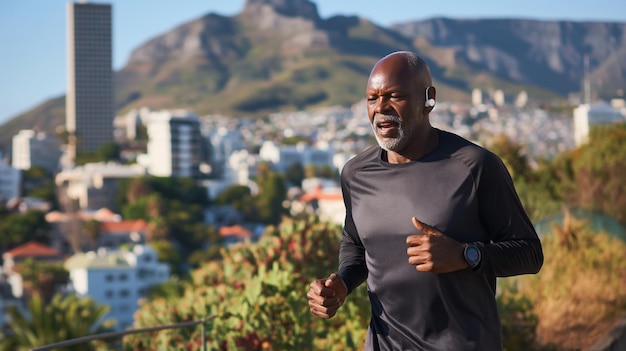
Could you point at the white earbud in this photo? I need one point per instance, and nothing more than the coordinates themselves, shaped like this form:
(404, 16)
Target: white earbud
(429, 102)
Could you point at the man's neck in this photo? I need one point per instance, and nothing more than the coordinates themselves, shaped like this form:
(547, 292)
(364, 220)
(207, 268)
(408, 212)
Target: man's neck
(424, 146)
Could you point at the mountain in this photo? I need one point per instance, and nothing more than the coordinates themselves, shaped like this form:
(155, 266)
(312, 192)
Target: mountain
(550, 55)
(280, 55)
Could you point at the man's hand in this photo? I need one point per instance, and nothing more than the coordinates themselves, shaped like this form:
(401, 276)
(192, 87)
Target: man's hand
(434, 251)
(326, 296)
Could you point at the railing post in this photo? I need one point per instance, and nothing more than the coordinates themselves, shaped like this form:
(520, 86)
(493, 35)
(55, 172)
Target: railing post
(203, 334)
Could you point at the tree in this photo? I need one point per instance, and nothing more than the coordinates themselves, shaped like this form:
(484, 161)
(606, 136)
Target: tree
(137, 188)
(600, 171)
(91, 228)
(62, 319)
(295, 174)
(166, 252)
(239, 197)
(108, 152)
(511, 154)
(42, 279)
(269, 202)
(19, 228)
(38, 182)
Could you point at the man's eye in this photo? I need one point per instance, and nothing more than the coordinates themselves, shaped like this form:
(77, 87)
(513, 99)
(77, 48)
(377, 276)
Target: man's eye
(372, 98)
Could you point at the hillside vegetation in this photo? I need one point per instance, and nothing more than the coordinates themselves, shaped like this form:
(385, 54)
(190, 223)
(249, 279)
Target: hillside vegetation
(258, 296)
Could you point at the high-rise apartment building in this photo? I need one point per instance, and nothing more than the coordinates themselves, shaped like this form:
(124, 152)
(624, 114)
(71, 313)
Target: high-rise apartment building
(175, 144)
(89, 100)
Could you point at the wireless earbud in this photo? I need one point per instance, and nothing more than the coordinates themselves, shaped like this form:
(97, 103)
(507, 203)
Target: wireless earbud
(429, 102)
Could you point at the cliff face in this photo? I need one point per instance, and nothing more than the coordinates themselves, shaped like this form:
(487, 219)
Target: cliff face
(547, 54)
(279, 55)
(275, 54)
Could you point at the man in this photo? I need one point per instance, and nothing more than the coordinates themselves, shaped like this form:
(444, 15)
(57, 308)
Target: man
(431, 220)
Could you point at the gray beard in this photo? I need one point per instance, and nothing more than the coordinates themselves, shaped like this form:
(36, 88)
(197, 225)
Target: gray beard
(405, 132)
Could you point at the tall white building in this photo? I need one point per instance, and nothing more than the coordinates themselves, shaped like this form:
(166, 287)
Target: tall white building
(89, 100)
(522, 99)
(118, 279)
(31, 148)
(10, 179)
(586, 116)
(174, 144)
(498, 97)
(477, 97)
(284, 156)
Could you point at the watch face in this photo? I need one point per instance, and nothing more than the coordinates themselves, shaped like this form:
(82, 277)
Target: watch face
(472, 254)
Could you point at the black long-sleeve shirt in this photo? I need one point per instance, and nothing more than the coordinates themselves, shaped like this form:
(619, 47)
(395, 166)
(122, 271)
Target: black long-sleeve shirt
(462, 190)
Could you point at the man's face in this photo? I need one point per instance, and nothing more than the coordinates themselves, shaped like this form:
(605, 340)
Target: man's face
(394, 106)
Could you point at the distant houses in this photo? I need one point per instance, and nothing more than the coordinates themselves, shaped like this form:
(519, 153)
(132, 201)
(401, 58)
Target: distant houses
(117, 278)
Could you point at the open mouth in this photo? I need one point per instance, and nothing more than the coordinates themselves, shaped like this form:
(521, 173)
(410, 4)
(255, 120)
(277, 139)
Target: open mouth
(387, 128)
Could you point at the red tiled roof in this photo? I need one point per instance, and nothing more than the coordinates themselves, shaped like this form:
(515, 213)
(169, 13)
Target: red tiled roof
(101, 215)
(56, 216)
(128, 226)
(235, 230)
(33, 249)
(319, 194)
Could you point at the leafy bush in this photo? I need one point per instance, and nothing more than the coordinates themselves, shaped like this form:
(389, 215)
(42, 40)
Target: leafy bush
(257, 294)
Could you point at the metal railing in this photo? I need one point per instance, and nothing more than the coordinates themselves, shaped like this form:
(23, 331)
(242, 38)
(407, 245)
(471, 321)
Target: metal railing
(88, 338)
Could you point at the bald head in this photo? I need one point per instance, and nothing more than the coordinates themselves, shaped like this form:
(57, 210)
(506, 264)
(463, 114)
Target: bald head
(405, 63)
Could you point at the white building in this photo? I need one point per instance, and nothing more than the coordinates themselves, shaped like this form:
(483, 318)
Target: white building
(477, 97)
(118, 279)
(522, 99)
(284, 156)
(94, 185)
(10, 179)
(175, 144)
(224, 142)
(586, 116)
(498, 97)
(31, 148)
(241, 169)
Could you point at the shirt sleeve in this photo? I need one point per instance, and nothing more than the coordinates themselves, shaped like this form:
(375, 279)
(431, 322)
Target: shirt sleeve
(352, 266)
(514, 246)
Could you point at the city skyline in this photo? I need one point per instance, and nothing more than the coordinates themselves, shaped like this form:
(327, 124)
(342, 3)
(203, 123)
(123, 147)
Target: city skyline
(36, 69)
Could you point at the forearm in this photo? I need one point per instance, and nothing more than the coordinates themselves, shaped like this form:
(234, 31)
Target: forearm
(352, 267)
(512, 257)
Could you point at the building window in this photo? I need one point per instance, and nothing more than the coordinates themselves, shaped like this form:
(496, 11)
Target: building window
(108, 294)
(109, 277)
(123, 277)
(124, 293)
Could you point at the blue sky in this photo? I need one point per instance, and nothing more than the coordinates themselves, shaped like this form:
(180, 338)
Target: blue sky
(33, 43)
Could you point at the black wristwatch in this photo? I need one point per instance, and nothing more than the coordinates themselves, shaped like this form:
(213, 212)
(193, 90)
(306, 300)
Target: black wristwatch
(472, 255)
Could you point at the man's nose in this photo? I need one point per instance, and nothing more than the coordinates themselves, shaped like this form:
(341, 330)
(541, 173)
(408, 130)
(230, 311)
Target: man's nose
(382, 105)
